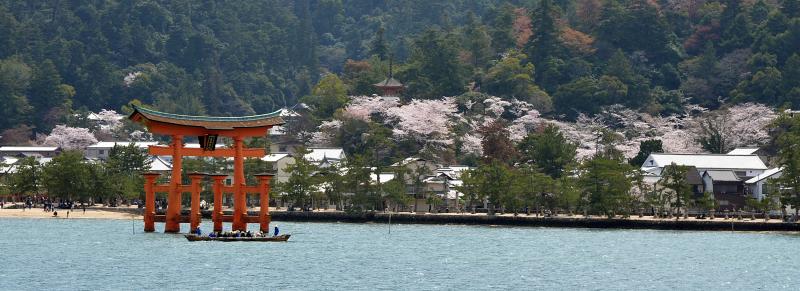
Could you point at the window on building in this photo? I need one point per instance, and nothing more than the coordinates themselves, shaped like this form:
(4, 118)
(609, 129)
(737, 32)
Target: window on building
(102, 152)
(282, 149)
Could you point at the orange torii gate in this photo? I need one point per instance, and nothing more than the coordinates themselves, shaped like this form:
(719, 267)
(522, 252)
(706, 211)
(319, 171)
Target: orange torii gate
(207, 129)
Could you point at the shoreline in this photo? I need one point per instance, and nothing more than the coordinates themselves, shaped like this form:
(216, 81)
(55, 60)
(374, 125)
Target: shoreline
(718, 224)
(91, 213)
(577, 221)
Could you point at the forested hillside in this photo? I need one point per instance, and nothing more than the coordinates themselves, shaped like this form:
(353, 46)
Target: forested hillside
(242, 57)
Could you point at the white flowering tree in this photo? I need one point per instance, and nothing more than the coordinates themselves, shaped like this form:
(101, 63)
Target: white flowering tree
(423, 120)
(740, 125)
(109, 120)
(363, 107)
(70, 138)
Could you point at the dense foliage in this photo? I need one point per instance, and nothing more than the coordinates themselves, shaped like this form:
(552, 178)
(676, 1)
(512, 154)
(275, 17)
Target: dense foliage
(241, 57)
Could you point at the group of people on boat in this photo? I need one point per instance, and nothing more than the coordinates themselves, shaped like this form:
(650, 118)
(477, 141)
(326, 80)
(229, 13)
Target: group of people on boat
(237, 233)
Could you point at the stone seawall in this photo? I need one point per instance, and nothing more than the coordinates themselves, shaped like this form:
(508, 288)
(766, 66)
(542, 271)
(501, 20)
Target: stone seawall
(718, 224)
(522, 220)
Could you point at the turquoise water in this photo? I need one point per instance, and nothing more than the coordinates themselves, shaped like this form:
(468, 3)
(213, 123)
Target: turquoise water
(88, 254)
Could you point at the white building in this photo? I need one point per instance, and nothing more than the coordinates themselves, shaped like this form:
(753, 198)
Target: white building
(759, 186)
(325, 156)
(724, 175)
(744, 166)
(100, 150)
(322, 157)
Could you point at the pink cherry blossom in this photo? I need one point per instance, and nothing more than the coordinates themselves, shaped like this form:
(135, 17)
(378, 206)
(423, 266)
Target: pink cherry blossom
(70, 138)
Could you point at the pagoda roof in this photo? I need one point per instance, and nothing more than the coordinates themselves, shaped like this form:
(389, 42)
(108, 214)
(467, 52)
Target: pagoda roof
(208, 122)
(389, 82)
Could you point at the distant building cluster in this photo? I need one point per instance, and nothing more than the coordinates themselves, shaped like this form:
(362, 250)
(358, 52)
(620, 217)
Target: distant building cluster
(730, 177)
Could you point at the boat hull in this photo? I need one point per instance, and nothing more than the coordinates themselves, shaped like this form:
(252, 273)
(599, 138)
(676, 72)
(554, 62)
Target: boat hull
(194, 237)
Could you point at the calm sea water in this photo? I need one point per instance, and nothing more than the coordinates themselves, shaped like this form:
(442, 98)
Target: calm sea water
(45, 254)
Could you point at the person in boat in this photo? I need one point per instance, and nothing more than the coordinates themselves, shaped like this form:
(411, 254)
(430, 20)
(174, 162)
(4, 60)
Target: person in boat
(277, 231)
(198, 231)
(212, 234)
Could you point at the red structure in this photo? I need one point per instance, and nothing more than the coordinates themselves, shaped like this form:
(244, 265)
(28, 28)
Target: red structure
(390, 86)
(207, 129)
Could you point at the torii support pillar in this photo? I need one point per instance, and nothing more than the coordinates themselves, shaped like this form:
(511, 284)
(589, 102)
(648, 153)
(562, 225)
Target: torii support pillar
(263, 190)
(173, 219)
(239, 195)
(150, 201)
(194, 214)
(216, 216)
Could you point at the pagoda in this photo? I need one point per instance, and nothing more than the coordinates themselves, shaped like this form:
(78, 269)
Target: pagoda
(390, 86)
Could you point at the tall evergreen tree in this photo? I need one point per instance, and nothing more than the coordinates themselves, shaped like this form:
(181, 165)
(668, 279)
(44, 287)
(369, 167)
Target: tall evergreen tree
(378, 46)
(434, 69)
(544, 43)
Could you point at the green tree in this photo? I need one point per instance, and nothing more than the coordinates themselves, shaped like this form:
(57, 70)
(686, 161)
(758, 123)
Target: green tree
(638, 26)
(333, 184)
(378, 46)
(674, 179)
(395, 190)
(27, 178)
(471, 183)
(606, 183)
(49, 98)
(15, 78)
(102, 187)
(646, 147)
(434, 69)
(358, 182)
(302, 180)
(544, 42)
(587, 95)
(66, 176)
(128, 160)
(328, 95)
(789, 159)
(501, 27)
(549, 150)
(707, 202)
(478, 41)
(510, 78)
(495, 182)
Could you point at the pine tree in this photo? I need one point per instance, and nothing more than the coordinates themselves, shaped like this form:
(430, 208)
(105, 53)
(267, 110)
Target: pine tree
(46, 93)
(544, 43)
(478, 42)
(378, 46)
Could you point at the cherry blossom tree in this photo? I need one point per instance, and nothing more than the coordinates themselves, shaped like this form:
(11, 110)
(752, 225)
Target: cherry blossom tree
(424, 120)
(363, 107)
(109, 119)
(740, 125)
(70, 138)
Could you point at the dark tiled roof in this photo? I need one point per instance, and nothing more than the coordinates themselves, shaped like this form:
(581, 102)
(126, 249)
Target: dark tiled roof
(208, 122)
(390, 82)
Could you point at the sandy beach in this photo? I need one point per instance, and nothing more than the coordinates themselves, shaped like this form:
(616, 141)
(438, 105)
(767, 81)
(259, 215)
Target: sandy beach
(76, 214)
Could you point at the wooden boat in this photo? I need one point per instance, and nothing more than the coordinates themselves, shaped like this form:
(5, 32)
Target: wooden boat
(194, 237)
